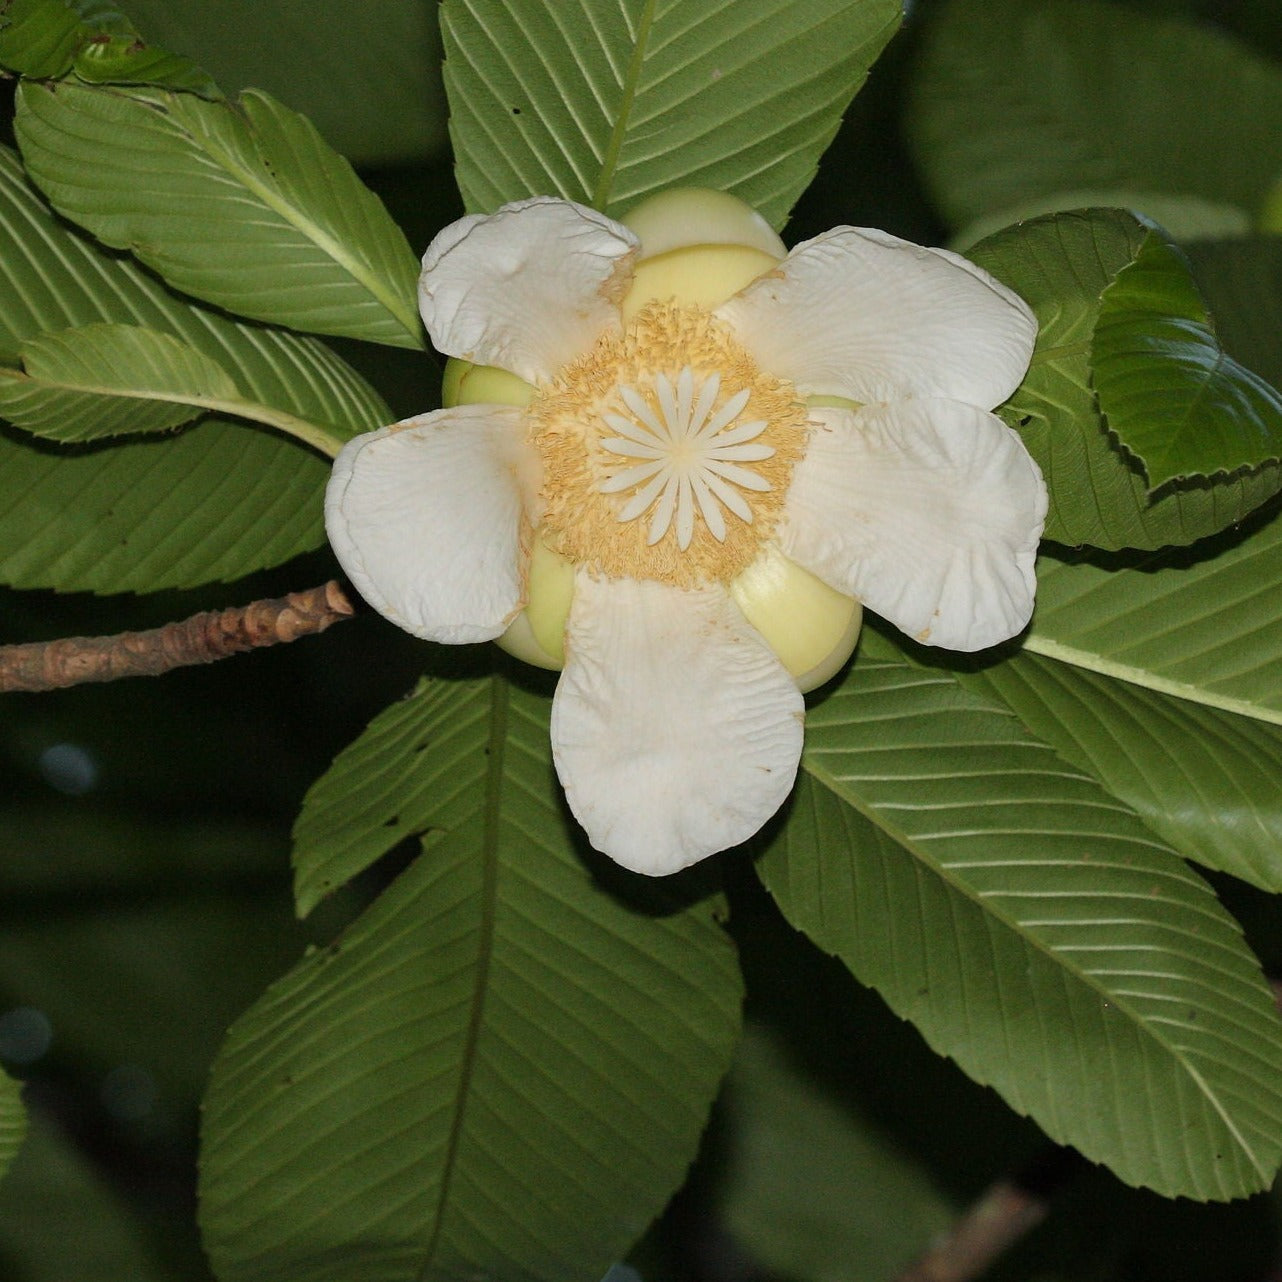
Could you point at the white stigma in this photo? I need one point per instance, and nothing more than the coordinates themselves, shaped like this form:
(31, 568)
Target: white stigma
(688, 456)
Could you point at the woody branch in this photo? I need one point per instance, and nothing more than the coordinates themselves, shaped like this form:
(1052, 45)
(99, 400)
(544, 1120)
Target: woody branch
(214, 634)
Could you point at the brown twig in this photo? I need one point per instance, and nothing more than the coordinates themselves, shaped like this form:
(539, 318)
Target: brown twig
(1000, 1218)
(1004, 1213)
(214, 634)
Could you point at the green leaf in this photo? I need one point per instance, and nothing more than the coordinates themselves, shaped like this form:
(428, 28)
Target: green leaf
(1175, 400)
(397, 779)
(501, 1070)
(92, 970)
(127, 60)
(54, 1183)
(608, 101)
(1241, 281)
(57, 279)
(242, 205)
(1204, 628)
(1062, 265)
(1033, 929)
(1183, 218)
(50, 38)
(377, 98)
(788, 1139)
(108, 380)
(1206, 781)
(101, 854)
(1015, 102)
(13, 1120)
(113, 380)
(212, 503)
(39, 37)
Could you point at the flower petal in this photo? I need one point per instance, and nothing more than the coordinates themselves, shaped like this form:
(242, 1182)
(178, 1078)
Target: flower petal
(425, 518)
(527, 288)
(675, 731)
(864, 315)
(928, 511)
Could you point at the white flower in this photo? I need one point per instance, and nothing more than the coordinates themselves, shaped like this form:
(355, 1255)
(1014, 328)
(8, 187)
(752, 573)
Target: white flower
(694, 455)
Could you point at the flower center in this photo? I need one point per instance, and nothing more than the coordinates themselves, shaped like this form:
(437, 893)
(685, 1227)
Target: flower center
(667, 452)
(688, 455)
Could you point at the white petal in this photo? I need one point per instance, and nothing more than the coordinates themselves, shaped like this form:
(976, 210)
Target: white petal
(527, 288)
(928, 511)
(675, 731)
(862, 314)
(425, 518)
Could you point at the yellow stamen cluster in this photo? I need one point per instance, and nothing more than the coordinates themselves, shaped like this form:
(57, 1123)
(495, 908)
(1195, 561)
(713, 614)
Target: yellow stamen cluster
(581, 520)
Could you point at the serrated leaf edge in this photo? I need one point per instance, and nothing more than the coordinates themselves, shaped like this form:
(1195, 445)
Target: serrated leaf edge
(335, 249)
(874, 817)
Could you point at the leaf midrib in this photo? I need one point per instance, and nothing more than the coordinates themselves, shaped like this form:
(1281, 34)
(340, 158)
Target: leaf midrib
(614, 147)
(203, 142)
(495, 749)
(1149, 680)
(850, 798)
(319, 236)
(1059, 351)
(234, 407)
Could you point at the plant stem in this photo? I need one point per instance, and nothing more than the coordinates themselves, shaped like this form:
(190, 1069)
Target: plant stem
(1006, 1211)
(214, 634)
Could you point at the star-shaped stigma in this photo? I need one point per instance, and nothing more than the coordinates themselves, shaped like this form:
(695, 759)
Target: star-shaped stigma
(690, 450)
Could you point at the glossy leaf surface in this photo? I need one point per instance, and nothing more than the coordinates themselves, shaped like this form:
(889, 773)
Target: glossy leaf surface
(1062, 265)
(1241, 281)
(399, 777)
(608, 101)
(50, 38)
(1175, 400)
(109, 380)
(102, 381)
